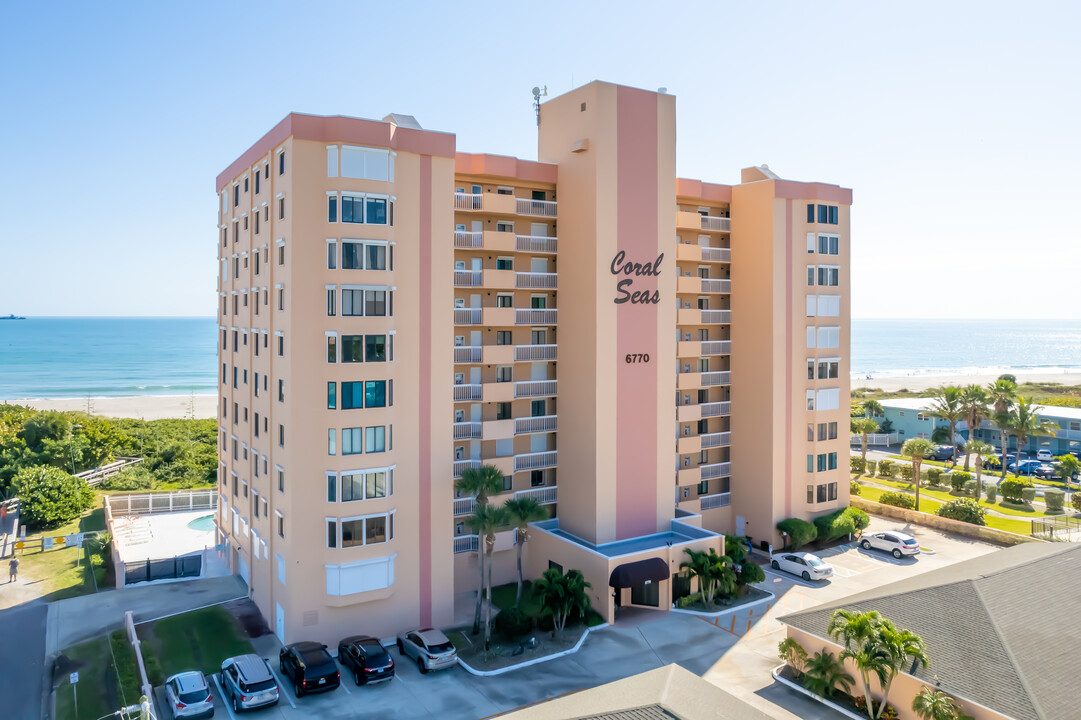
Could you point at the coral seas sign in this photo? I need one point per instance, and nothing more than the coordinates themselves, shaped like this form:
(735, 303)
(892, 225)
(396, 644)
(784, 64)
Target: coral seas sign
(631, 270)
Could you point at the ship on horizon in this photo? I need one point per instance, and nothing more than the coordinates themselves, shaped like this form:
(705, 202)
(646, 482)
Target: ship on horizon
(12, 317)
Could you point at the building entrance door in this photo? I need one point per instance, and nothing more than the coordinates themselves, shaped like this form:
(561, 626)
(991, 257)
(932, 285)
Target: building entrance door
(646, 594)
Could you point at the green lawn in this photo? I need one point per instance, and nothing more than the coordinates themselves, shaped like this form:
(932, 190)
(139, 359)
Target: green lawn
(197, 640)
(97, 687)
(503, 598)
(56, 569)
(945, 495)
(1021, 527)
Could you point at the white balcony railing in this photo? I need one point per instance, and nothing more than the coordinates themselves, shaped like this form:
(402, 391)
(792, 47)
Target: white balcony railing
(716, 316)
(718, 439)
(466, 430)
(712, 379)
(535, 243)
(543, 495)
(708, 502)
(716, 409)
(716, 286)
(535, 316)
(541, 423)
(715, 470)
(713, 254)
(534, 388)
(877, 439)
(467, 353)
(467, 316)
(460, 465)
(467, 278)
(465, 543)
(533, 280)
(710, 222)
(528, 353)
(535, 461)
(468, 201)
(467, 240)
(540, 208)
(467, 392)
(716, 347)
(464, 506)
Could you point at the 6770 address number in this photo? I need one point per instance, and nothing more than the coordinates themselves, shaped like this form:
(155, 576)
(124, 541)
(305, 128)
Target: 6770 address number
(637, 357)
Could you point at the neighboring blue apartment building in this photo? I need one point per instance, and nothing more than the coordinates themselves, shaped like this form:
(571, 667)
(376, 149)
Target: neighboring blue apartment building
(910, 419)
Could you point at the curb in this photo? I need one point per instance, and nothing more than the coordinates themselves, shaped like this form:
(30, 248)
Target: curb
(534, 661)
(804, 691)
(736, 608)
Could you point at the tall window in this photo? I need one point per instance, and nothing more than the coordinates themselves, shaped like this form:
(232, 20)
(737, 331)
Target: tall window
(375, 439)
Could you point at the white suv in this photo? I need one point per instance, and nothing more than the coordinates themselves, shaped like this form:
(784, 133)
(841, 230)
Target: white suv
(893, 542)
(1044, 455)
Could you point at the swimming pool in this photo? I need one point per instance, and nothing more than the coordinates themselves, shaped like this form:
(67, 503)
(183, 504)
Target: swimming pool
(202, 524)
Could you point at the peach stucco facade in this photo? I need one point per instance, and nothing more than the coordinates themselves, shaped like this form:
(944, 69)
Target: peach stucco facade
(629, 348)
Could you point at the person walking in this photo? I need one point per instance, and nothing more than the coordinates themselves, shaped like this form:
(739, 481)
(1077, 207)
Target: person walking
(13, 569)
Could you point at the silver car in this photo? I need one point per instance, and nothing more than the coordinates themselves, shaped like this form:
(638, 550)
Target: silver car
(804, 564)
(188, 695)
(896, 543)
(248, 682)
(430, 648)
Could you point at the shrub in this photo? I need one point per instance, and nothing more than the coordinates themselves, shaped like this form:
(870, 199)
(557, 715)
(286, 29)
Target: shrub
(900, 500)
(799, 532)
(1028, 494)
(860, 519)
(735, 548)
(136, 477)
(1054, 498)
(906, 472)
(750, 573)
(855, 488)
(963, 509)
(688, 600)
(958, 478)
(856, 464)
(934, 476)
(1011, 489)
(835, 525)
(48, 496)
(886, 468)
(871, 465)
(512, 623)
(992, 493)
(1075, 500)
(970, 488)
(790, 651)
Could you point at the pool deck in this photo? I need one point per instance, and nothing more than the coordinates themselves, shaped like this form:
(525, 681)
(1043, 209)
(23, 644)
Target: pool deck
(161, 535)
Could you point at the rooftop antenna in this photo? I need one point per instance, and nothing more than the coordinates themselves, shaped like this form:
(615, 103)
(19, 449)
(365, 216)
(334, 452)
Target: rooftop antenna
(538, 93)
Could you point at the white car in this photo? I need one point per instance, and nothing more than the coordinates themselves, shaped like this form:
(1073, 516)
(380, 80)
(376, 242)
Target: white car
(897, 543)
(1044, 455)
(188, 695)
(430, 648)
(806, 565)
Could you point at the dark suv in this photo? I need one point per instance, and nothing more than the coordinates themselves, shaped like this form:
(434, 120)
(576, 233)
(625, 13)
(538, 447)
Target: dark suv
(944, 452)
(309, 667)
(367, 658)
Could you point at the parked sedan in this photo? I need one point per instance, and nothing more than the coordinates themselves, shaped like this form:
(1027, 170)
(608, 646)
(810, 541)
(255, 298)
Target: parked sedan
(896, 543)
(1025, 467)
(430, 648)
(806, 565)
(309, 667)
(366, 658)
(188, 696)
(943, 452)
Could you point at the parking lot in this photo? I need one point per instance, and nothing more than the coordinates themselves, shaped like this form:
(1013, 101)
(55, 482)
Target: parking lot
(735, 651)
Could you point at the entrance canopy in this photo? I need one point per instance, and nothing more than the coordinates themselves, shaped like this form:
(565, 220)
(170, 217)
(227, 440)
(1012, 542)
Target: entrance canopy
(638, 573)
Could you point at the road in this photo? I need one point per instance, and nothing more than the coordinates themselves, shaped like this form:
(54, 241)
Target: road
(22, 656)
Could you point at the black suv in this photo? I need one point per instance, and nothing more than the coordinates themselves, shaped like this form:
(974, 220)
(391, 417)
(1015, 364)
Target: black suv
(366, 658)
(309, 667)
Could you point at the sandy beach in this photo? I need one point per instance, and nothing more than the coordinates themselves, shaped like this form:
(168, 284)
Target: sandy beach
(922, 382)
(147, 407)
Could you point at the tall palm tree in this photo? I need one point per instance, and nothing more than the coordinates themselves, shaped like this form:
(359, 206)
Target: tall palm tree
(863, 426)
(873, 408)
(916, 449)
(824, 673)
(521, 512)
(484, 521)
(974, 404)
(982, 451)
(480, 482)
(906, 651)
(948, 404)
(1002, 394)
(1025, 422)
(934, 705)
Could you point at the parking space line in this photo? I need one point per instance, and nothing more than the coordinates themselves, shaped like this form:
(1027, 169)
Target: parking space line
(281, 686)
(221, 694)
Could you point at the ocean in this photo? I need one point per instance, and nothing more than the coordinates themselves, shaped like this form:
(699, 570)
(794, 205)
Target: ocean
(55, 357)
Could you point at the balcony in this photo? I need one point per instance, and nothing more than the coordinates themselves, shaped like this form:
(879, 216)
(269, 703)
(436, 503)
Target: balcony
(713, 379)
(465, 543)
(535, 316)
(717, 439)
(695, 316)
(535, 388)
(531, 353)
(467, 316)
(711, 285)
(717, 254)
(688, 220)
(468, 278)
(498, 392)
(543, 495)
(535, 244)
(465, 240)
(690, 252)
(712, 223)
(536, 208)
(709, 502)
(468, 201)
(702, 348)
(497, 429)
(535, 461)
(467, 430)
(464, 506)
(540, 423)
(715, 470)
(467, 353)
(534, 281)
(498, 354)
(694, 380)
(466, 393)
(498, 279)
(498, 316)
(460, 465)
(716, 409)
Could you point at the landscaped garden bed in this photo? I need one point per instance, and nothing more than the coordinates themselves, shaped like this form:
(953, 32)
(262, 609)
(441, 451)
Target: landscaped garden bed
(749, 596)
(503, 653)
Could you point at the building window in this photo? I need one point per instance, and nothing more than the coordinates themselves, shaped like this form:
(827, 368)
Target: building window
(828, 369)
(332, 395)
(332, 348)
(502, 411)
(352, 395)
(281, 480)
(821, 496)
(281, 529)
(375, 393)
(375, 439)
(352, 441)
(829, 275)
(332, 444)
(821, 462)
(368, 485)
(828, 245)
(281, 435)
(810, 369)
(367, 303)
(332, 208)
(503, 337)
(829, 337)
(331, 302)
(831, 489)
(375, 348)
(504, 300)
(536, 478)
(281, 162)
(810, 488)
(366, 209)
(332, 534)
(281, 209)
(703, 487)
(352, 348)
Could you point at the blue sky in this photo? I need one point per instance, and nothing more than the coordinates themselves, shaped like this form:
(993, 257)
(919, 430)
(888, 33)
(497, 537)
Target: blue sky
(954, 123)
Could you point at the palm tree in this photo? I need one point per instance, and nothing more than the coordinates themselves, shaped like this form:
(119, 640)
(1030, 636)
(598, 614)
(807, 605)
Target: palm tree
(948, 404)
(873, 408)
(521, 512)
(480, 482)
(714, 573)
(1002, 394)
(982, 451)
(561, 595)
(906, 651)
(974, 404)
(484, 521)
(1025, 422)
(916, 449)
(863, 426)
(824, 673)
(859, 632)
(934, 705)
